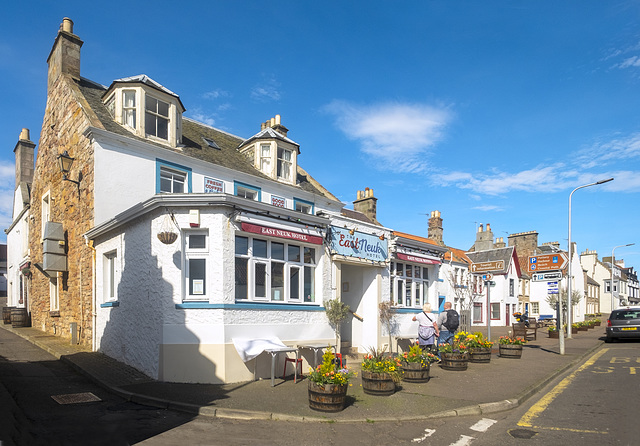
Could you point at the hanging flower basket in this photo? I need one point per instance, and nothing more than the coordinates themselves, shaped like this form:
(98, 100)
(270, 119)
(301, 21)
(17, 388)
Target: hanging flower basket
(167, 237)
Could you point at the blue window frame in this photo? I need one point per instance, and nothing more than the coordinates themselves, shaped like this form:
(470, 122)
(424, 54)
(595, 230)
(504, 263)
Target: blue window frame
(304, 206)
(170, 176)
(247, 191)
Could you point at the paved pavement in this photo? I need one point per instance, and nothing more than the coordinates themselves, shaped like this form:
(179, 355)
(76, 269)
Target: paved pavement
(499, 385)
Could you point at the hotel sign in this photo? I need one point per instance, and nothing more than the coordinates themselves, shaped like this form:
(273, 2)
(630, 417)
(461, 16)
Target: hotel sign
(282, 233)
(360, 245)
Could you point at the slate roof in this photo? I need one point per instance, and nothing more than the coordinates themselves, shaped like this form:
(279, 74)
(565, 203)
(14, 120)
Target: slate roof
(194, 145)
(357, 215)
(505, 254)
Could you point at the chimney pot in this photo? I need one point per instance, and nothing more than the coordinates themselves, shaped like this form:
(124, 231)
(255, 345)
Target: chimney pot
(272, 122)
(24, 135)
(277, 119)
(67, 25)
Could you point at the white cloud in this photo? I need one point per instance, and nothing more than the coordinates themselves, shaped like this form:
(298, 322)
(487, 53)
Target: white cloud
(199, 115)
(603, 153)
(633, 61)
(489, 208)
(215, 94)
(396, 135)
(267, 91)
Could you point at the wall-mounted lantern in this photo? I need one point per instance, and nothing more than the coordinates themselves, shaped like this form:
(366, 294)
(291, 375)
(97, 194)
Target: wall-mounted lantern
(65, 162)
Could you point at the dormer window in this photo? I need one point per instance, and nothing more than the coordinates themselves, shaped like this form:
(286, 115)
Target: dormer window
(156, 118)
(272, 152)
(284, 163)
(146, 108)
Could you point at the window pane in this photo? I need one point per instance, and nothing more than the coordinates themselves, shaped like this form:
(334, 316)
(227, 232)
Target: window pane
(277, 281)
(241, 278)
(425, 273)
(309, 255)
(260, 248)
(399, 294)
(165, 184)
(277, 251)
(163, 108)
(294, 253)
(197, 241)
(162, 128)
(197, 276)
(151, 104)
(309, 284)
(408, 271)
(400, 269)
(495, 311)
(150, 124)
(417, 297)
(242, 245)
(407, 291)
(294, 282)
(417, 272)
(261, 280)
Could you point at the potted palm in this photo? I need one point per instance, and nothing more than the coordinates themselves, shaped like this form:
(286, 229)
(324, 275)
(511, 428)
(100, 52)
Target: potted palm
(328, 385)
(511, 347)
(380, 372)
(416, 364)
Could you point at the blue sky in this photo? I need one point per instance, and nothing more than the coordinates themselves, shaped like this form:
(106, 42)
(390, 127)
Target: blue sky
(490, 112)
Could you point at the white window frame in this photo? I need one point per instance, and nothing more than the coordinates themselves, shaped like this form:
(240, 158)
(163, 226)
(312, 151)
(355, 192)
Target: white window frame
(307, 269)
(54, 293)
(265, 159)
(174, 176)
(130, 110)
(45, 205)
(407, 285)
(157, 116)
(110, 276)
(284, 167)
(195, 253)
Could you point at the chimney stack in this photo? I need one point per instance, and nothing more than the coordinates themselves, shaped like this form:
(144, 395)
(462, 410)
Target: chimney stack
(366, 203)
(276, 125)
(484, 239)
(64, 57)
(435, 231)
(24, 152)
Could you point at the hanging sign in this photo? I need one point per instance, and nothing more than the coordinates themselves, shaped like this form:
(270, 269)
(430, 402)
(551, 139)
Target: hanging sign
(360, 245)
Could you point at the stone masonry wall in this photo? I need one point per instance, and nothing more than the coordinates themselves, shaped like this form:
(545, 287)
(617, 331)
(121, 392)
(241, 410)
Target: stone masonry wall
(64, 122)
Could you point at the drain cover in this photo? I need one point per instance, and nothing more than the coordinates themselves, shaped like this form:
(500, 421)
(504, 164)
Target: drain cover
(75, 398)
(522, 433)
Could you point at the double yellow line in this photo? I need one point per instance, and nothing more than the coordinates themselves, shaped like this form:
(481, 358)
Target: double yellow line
(535, 410)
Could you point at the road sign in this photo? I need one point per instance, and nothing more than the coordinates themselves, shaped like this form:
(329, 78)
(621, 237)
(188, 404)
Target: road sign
(552, 287)
(487, 276)
(546, 277)
(485, 267)
(548, 262)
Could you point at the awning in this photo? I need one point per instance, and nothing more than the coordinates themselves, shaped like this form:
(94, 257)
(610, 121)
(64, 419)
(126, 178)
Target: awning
(417, 259)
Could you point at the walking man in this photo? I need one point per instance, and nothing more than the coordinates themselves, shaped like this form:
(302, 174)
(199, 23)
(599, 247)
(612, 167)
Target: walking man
(448, 321)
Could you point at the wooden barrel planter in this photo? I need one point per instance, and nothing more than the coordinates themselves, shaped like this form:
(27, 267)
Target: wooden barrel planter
(327, 398)
(6, 314)
(480, 355)
(454, 361)
(510, 351)
(581, 328)
(415, 372)
(19, 317)
(380, 384)
(554, 334)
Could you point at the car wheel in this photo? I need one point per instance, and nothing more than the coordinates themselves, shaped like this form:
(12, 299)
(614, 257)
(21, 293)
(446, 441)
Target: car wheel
(608, 339)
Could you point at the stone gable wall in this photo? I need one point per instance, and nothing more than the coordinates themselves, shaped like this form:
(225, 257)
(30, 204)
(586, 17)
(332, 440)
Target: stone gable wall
(62, 129)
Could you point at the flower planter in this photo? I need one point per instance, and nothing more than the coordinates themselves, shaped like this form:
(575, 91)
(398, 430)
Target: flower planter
(511, 351)
(598, 323)
(374, 383)
(480, 355)
(415, 372)
(328, 397)
(582, 328)
(454, 361)
(6, 314)
(554, 334)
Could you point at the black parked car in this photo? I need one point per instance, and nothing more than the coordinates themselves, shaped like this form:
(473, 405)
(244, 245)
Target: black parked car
(623, 323)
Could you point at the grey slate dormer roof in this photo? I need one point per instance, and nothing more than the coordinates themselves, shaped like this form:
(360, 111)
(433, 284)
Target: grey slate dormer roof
(270, 133)
(193, 142)
(491, 255)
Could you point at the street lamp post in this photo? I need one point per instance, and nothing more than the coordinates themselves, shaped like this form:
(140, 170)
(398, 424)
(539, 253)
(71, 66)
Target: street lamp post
(569, 251)
(613, 262)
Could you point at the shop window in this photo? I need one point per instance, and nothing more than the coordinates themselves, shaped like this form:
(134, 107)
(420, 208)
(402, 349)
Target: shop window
(411, 285)
(196, 252)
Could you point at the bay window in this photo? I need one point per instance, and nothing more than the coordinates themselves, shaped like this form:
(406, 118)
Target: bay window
(409, 284)
(274, 271)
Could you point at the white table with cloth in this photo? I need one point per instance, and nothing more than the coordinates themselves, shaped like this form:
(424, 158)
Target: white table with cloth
(251, 348)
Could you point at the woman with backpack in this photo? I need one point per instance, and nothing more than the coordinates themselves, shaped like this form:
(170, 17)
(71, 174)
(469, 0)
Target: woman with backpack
(448, 321)
(427, 328)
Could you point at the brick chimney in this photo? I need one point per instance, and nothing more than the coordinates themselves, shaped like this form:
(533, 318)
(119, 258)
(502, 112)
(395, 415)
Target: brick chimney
(24, 152)
(366, 203)
(435, 230)
(64, 57)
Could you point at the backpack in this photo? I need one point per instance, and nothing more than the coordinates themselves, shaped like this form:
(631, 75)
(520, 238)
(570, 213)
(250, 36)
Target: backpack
(453, 320)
